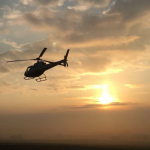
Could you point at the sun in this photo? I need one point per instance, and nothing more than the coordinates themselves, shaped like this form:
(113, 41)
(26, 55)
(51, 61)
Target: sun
(105, 98)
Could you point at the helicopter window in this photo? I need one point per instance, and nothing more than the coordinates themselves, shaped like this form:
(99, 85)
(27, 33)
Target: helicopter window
(28, 69)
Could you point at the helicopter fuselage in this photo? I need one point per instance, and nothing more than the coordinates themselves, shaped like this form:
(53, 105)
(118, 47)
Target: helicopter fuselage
(39, 68)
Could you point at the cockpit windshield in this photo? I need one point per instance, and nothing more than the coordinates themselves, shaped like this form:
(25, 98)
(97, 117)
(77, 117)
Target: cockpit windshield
(28, 69)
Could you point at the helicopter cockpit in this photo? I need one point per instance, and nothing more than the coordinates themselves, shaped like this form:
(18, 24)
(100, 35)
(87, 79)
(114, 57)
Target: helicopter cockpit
(36, 66)
(28, 69)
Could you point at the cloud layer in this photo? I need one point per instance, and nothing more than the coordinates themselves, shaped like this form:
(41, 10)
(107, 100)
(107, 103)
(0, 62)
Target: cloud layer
(105, 37)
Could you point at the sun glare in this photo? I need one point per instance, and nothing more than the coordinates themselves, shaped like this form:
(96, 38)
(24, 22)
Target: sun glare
(105, 98)
(54, 43)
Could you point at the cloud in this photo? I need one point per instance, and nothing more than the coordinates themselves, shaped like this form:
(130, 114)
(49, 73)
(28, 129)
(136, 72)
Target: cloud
(133, 86)
(33, 50)
(88, 64)
(89, 30)
(3, 69)
(50, 2)
(13, 14)
(13, 44)
(83, 5)
(6, 3)
(8, 86)
(131, 9)
(26, 2)
(81, 61)
(100, 44)
(3, 29)
(93, 106)
(77, 41)
(86, 98)
(10, 13)
(84, 87)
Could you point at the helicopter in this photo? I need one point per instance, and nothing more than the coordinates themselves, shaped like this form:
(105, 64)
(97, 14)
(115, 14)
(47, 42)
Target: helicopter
(38, 69)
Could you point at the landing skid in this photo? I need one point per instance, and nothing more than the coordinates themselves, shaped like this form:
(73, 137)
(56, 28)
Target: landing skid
(40, 78)
(28, 78)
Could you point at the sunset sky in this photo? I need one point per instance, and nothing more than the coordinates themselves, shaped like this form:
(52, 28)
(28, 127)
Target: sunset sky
(106, 88)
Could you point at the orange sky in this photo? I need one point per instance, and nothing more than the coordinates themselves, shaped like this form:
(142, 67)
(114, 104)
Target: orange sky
(105, 89)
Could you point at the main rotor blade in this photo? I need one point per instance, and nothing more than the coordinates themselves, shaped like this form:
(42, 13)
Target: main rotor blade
(66, 54)
(47, 61)
(20, 60)
(42, 52)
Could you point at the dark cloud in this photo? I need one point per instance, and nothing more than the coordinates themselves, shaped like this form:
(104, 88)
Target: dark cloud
(7, 3)
(84, 26)
(50, 2)
(90, 29)
(76, 28)
(32, 19)
(9, 6)
(76, 87)
(92, 106)
(131, 9)
(95, 2)
(51, 23)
